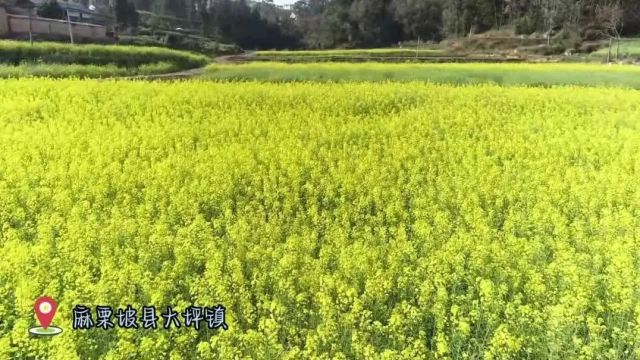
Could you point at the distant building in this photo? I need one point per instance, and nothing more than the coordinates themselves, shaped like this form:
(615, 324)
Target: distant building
(78, 12)
(18, 24)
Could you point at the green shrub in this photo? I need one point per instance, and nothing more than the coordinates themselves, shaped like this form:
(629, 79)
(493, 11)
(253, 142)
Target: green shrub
(51, 10)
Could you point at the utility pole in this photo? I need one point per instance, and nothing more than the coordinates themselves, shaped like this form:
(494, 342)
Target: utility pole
(30, 27)
(70, 29)
(189, 12)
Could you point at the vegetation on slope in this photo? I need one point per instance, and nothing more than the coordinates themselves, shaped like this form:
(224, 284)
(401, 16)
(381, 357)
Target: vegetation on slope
(16, 52)
(504, 74)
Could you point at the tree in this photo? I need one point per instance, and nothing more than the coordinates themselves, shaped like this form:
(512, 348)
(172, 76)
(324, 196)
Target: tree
(419, 18)
(126, 14)
(132, 15)
(631, 17)
(368, 23)
(312, 23)
(341, 29)
(238, 22)
(51, 10)
(554, 14)
(610, 16)
(205, 18)
(550, 10)
(454, 21)
(122, 12)
(373, 23)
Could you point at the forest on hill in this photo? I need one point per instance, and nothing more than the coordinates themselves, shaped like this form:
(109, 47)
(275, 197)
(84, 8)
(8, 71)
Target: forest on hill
(325, 24)
(371, 23)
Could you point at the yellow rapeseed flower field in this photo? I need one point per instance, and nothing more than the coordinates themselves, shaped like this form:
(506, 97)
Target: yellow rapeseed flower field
(333, 221)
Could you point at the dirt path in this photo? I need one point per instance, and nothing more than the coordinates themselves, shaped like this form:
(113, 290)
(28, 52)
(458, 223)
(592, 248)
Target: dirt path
(230, 59)
(186, 74)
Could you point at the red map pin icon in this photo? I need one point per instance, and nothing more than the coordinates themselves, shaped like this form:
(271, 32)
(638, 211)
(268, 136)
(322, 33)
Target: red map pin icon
(45, 308)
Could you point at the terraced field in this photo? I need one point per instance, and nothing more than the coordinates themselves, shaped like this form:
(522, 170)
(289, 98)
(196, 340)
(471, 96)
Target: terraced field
(332, 220)
(502, 74)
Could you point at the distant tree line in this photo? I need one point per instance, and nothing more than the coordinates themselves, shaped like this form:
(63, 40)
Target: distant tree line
(330, 23)
(126, 14)
(250, 25)
(370, 23)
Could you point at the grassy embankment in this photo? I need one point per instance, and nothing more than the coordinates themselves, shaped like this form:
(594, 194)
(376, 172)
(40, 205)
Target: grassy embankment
(354, 52)
(629, 48)
(352, 55)
(503, 74)
(59, 60)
